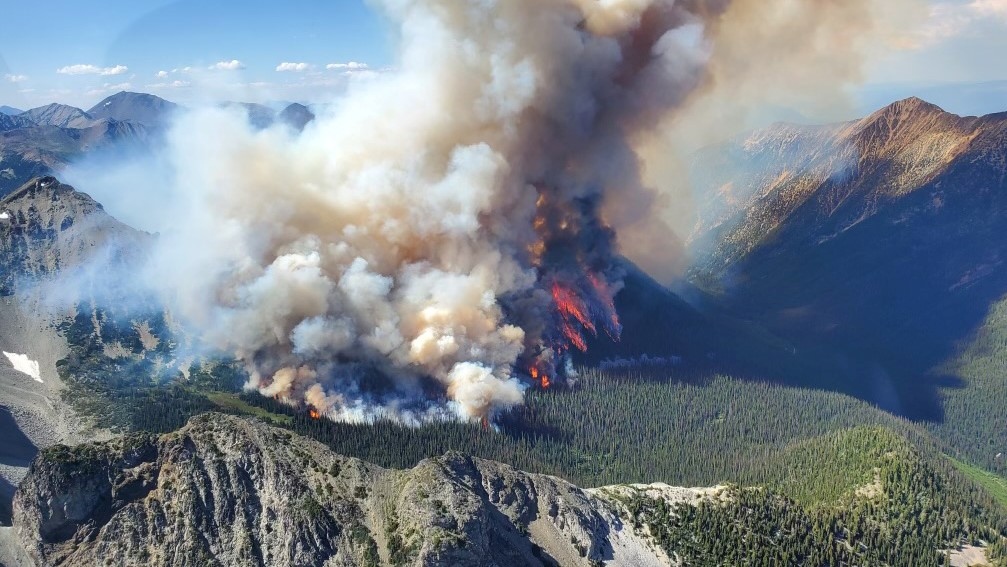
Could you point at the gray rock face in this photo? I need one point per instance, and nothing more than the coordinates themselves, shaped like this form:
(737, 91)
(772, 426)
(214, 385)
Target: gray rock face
(59, 115)
(10, 122)
(47, 226)
(237, 492)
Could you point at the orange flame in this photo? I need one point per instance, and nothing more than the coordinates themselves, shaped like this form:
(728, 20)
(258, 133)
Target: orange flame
(572, 310)
(539, 376)
(313, 414)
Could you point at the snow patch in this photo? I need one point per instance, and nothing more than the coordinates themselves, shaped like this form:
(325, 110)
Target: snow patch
(24, 365)
(5, 216)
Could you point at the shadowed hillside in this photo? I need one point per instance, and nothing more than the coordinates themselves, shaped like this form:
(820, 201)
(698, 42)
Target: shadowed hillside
(875, 245)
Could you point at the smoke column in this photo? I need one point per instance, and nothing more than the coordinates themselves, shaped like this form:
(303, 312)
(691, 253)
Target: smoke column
(438, 241)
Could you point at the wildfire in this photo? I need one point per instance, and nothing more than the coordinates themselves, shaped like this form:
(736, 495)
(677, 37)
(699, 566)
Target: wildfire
(539, 376)
(313, 414)
(571, 254)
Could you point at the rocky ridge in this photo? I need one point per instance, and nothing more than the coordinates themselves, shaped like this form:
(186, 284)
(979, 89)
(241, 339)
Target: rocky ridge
(833, 176)
(46, 226)
(239, 492)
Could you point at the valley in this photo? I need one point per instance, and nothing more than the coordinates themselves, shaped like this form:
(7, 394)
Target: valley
(782, 415)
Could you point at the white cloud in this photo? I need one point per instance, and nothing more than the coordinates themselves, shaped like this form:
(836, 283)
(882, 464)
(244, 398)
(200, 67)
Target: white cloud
(161, 74)
(348, 66)
(294, 67)
(16, 78)
(81, 69)
(232, 65)
(990, 7)
(948, 20)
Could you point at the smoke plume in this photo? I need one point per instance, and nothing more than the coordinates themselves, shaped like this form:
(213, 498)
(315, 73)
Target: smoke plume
(444, 235)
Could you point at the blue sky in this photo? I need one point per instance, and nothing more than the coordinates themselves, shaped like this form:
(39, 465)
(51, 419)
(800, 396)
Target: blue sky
(75, 52)
(78, 53)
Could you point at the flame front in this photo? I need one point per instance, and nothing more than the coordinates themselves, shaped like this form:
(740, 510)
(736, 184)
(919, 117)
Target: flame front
(574, 319)
(314, 414)
(572, 254)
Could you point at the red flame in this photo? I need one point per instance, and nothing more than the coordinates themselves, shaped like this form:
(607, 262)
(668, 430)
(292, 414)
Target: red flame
(573, 315)
(569, 254)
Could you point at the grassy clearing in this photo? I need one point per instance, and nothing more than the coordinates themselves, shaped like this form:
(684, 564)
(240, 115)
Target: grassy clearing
(996, 485)
(231, 402)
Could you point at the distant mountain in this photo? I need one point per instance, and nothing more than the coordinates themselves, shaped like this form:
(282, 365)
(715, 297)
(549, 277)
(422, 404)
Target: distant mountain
(262, 116)
(146, 109)
(876, 245)
(43, 140)
(28, 150)
(296, 116)
(10, 110)
(59, 115)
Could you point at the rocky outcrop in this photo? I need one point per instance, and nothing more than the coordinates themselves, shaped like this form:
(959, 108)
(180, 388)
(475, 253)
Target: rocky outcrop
(47, 226)
(231, 491)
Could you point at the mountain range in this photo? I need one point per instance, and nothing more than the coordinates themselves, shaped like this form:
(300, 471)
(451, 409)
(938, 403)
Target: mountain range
(831, 377)
(875, 243)
(44, 140)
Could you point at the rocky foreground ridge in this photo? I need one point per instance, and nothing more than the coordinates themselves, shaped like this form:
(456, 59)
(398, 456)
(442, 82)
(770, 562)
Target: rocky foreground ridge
(229, 491)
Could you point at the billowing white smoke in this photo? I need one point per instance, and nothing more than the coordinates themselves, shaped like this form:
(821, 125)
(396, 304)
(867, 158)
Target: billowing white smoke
(394, 233)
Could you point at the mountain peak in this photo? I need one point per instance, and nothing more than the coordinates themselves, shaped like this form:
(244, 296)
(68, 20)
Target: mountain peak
(904, 127)
(142, 108)
(908, 108)
(50, 189)
(296, 115)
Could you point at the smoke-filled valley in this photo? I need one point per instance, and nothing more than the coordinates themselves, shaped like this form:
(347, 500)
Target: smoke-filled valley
(564, 235)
